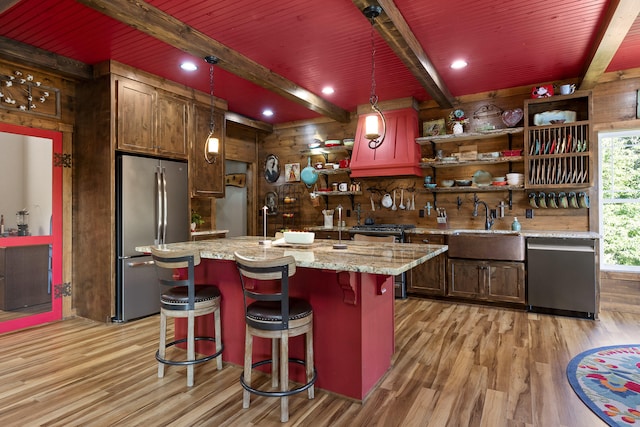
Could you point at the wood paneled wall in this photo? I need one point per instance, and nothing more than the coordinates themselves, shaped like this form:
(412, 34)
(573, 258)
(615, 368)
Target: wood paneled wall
(614, 107)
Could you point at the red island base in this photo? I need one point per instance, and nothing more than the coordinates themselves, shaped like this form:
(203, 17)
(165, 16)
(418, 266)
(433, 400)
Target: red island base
(353, 325)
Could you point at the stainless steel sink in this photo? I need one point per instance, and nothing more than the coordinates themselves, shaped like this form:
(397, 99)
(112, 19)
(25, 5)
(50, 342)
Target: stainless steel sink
(487, 245)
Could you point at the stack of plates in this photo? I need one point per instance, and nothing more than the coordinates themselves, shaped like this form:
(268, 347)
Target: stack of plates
(515, 178)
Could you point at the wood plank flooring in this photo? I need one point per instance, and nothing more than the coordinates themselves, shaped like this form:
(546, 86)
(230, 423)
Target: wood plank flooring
(455, 365)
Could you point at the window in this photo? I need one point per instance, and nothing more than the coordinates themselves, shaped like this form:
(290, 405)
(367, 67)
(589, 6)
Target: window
(620, 200)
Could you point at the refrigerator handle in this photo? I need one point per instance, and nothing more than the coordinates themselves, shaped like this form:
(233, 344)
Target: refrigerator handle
(158, 205)
(165, 207)
(140, 264)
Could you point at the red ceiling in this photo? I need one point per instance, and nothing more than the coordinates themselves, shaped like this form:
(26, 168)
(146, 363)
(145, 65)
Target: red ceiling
(506, 42)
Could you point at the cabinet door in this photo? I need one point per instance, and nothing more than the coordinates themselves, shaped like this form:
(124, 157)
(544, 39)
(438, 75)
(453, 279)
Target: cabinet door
(505, 282)
(206, 179)
(173, 122)
(466, 278)
(428, 278)
(135, 106)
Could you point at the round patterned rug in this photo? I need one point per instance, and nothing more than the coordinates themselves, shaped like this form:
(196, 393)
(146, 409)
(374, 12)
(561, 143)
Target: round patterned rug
(607, 380)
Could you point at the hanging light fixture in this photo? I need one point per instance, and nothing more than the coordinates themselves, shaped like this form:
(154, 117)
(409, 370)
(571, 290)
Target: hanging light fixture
(211, 144)
(372, 123)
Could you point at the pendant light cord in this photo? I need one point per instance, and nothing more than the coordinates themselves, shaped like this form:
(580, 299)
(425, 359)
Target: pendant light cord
(211, 124)
(373, 97)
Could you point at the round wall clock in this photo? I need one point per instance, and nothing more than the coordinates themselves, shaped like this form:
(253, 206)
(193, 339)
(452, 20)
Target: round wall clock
(271, 168)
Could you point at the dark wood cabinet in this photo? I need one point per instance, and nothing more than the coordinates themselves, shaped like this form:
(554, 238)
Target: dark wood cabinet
(498, 281)
(24, 276)
(150, 121)
(172, 129)
(135, 115)
(206, 179)
(428, 278)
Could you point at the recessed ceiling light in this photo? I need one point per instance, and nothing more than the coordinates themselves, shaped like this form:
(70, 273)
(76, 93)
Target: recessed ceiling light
(188, 66)
(458, 64)
(267, 113)
(327, 90)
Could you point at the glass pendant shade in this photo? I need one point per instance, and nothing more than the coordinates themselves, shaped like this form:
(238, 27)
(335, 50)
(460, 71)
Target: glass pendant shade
(211, 148)
(371, 127)
(213, 144)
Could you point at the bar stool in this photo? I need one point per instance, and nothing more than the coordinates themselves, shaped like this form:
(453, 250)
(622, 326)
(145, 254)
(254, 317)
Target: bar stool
(183, 298)
(274, 315)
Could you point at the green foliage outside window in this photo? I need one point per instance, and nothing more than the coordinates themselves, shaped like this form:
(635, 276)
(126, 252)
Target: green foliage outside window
(620, 166)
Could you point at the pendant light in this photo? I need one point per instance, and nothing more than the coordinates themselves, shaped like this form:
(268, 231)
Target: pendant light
(372, 123)
(211, 144)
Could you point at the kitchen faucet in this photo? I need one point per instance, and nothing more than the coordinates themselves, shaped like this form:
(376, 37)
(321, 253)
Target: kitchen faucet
(488, 221)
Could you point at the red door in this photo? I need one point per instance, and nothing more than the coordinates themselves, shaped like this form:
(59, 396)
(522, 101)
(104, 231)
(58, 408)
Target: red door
(24, 310)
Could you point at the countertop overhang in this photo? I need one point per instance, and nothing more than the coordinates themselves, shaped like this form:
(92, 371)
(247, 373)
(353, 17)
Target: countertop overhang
(361, 257)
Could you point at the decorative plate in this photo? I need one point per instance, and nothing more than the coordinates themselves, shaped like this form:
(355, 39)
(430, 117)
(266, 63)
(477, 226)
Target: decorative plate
(512, 117)
(482, 178)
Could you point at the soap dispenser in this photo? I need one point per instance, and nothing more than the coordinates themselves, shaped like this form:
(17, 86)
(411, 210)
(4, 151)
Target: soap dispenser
(515, 225)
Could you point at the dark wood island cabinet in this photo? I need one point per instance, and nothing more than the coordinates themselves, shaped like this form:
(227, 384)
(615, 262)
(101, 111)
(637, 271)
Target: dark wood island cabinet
(428, 279)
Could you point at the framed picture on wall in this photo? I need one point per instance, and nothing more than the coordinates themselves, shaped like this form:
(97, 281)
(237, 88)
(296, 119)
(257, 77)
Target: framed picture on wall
(292, 172)
(271, 168)
(434, 127)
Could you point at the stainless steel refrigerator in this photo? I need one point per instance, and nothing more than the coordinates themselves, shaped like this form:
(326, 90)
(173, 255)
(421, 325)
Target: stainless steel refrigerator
(152, 206)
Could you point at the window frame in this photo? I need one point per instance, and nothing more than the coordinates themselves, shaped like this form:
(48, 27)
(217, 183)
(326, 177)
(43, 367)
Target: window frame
(601, 198)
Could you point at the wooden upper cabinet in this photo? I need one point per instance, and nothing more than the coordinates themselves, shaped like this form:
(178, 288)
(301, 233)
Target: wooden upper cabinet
(135, 115)
(173, 125)
(151, 121)
(206, 179)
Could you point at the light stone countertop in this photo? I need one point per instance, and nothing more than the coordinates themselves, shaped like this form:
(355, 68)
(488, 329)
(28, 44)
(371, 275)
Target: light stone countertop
(526, 233)
(362, 257)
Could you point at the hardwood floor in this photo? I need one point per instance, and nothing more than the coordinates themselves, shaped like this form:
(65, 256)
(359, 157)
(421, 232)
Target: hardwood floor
(455, 365)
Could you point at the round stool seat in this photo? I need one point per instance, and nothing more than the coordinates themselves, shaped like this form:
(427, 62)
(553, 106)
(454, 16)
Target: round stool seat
(270, 311)
(179, 295)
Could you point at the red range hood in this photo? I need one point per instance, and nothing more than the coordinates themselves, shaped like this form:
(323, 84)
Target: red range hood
(398, 155)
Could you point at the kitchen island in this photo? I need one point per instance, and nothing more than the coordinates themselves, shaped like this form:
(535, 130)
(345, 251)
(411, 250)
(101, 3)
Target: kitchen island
(350, 290)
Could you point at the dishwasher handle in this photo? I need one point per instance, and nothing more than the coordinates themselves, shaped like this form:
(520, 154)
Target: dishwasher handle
(559, 248)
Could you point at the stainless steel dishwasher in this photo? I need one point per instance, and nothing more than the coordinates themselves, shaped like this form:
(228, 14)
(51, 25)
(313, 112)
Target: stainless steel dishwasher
(561, 276)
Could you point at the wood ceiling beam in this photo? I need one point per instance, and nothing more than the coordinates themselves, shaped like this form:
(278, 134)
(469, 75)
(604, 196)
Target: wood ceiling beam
(27, 54)
(7, 4)
(394, 29)
(154, 22)
(620, 16)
